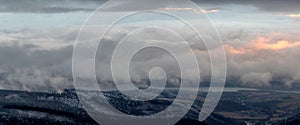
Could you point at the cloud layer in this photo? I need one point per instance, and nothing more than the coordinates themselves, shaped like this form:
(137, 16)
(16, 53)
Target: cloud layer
(59, 6)
(53, 6)
(40, 60)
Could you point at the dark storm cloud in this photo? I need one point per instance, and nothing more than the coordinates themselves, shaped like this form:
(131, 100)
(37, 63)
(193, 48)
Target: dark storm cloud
(48, 6)
(264, 5)
(132, 5)
(58, 6)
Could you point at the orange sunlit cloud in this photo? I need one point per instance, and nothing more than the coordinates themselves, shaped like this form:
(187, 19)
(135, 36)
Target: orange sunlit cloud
(262, 43)
(211, 11)
(277, 46)
(233, 50)
(205, 11)
(294, 15)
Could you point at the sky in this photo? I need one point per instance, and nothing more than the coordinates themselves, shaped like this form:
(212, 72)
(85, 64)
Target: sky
(261, 40)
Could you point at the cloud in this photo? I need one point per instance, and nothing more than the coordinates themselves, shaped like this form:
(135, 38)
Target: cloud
(27, 67)
(263, 43)
(274, 54)
(294, 15)
(35, 79)
(213, 10)
(134, 5)
(253, 60)
(52, 6)
(256, 79)
(263, 5)
(62, 6)
(47, 39)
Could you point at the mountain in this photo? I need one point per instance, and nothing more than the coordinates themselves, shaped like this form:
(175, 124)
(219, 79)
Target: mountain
(235, 108)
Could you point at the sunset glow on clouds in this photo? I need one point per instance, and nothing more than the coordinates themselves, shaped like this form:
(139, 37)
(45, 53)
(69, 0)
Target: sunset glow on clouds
(294, 15)
(210, 10)
(262, 43)
(192, 9)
